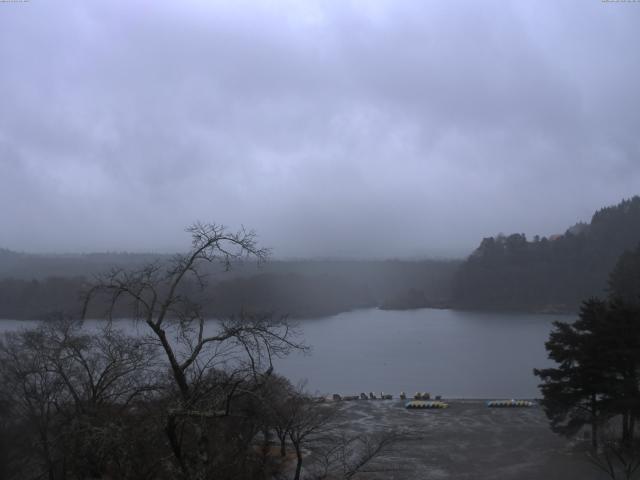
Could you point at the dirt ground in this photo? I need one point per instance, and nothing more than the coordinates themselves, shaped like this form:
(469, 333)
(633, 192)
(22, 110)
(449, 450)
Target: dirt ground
(469, 441)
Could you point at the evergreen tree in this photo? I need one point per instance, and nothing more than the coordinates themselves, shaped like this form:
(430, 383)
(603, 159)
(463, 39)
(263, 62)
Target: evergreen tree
(555, 273)
(574, 392)
(598, 356)
(624, 281)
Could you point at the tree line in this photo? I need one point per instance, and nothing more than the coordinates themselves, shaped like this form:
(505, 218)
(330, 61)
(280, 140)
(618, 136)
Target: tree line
(301, 289)
(510, 272)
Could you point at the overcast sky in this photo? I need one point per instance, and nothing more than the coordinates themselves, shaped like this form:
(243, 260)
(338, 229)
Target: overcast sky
(333, 128)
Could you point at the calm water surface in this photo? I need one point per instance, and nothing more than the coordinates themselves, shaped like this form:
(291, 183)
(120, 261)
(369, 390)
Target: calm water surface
(447, 352)
(453, 353)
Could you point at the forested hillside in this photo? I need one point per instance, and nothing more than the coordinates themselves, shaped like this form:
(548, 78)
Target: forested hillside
(548, 274)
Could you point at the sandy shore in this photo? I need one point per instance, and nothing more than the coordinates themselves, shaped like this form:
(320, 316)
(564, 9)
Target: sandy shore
(469, 441)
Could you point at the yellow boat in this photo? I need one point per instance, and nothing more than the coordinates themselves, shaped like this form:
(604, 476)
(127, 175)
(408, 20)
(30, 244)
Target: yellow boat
(419, 404)
(510, 403)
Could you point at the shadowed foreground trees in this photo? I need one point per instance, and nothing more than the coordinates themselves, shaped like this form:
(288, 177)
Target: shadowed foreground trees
(212, 366)
(181, 398)
(71, 401)
(574, 391)
(596, 381)
(81, 404)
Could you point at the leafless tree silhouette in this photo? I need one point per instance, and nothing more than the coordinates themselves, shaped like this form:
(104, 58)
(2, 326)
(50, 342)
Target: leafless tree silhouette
(163, 298)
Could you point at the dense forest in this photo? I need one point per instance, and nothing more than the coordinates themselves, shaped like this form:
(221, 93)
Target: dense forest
(548, 274)
(35, 286)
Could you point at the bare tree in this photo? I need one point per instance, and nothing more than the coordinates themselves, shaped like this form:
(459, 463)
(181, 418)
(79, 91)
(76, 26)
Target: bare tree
(162, 297)
(316, 430)
(346, 456)
(32, 393)
(617, 458)
(66, 388)
(277, 398)
(360, 452)
(309, 422)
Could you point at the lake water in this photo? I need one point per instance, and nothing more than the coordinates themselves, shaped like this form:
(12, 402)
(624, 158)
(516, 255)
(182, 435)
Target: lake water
(445, 352)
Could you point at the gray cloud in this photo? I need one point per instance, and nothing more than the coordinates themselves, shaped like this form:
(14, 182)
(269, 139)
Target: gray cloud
(381, 128)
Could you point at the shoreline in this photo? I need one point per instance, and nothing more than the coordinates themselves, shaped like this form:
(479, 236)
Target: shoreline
(469, 441)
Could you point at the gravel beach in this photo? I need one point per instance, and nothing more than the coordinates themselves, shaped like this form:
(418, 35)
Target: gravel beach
(468, 441)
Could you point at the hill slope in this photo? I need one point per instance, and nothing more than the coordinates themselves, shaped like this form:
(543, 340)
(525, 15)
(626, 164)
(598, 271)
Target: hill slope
(548, 274)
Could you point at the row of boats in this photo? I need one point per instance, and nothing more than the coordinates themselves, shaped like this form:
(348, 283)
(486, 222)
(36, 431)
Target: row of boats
(419, 404)
(426, 404)
(423, 400)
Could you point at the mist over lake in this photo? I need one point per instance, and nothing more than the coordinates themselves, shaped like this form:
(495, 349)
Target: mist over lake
(234, 232)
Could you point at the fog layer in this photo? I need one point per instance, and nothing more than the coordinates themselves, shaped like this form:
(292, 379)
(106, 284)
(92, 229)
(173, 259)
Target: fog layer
(333, 128)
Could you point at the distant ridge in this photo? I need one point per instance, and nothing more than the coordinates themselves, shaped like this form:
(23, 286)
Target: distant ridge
(35, 286)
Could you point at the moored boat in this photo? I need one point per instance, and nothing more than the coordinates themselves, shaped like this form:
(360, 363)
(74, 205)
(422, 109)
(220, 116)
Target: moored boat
(510, 403)
(420, 404)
